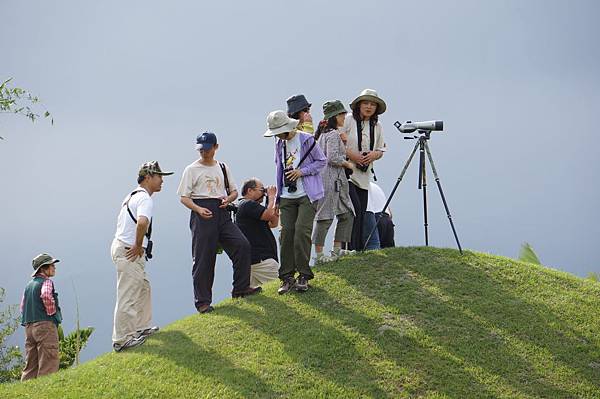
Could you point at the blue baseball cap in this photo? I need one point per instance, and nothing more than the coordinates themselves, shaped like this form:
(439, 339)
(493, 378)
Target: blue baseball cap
(206, 141)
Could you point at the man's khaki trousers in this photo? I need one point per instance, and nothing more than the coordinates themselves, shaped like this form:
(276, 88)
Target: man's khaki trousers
(263, 272)
(133, 311)
(41, 349)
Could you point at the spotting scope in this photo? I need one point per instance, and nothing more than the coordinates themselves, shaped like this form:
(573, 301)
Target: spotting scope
(409, 127)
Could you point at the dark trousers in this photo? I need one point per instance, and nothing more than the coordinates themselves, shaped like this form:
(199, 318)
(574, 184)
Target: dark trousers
(297, 216)
(359, 198)
(386, 231)
(207, 235)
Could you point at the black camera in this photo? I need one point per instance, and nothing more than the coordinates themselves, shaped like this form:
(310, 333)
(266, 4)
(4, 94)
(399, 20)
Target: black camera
(348, 172)
(149, 250)
(363, 168)
(290, 184)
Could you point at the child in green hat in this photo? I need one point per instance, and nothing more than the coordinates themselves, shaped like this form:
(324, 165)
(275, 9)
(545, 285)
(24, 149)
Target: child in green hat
(41, 315)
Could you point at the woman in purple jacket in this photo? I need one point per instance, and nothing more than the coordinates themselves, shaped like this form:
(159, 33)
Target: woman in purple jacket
(299, 162)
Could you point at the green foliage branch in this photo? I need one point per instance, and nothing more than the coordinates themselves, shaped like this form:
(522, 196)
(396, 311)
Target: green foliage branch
(11, 359)
(15, 100)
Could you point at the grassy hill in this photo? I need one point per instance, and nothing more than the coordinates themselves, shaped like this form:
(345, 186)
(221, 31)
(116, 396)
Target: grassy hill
(404, 322)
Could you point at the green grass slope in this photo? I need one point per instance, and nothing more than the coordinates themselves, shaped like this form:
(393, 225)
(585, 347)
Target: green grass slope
(399, 323)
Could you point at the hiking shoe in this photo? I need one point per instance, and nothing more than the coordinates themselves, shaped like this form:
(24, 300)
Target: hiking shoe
(333, 256)
(321, 259)
(286, 285)
(148, 331)
(205, 308)
(131, 343)
(247, 292)
(347, 252)
(302, 284)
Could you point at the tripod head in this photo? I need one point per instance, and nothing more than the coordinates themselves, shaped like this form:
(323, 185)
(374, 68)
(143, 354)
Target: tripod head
(424, 135)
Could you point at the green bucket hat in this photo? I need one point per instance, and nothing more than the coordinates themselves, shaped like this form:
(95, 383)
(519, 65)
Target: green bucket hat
(42, 260)
(333, 108)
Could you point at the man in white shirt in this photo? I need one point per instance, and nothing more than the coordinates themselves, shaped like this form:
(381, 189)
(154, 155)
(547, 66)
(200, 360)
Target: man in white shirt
(130, 249)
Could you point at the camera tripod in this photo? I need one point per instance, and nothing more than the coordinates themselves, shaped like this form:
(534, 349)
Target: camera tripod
(421, 144)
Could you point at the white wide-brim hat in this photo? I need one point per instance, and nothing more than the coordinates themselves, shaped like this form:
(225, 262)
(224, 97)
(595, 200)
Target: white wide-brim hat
(278, 122)
(370, 95)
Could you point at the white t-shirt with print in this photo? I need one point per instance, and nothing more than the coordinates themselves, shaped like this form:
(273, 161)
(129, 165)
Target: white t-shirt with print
(291, 148)
(201, 182)
(140, 204)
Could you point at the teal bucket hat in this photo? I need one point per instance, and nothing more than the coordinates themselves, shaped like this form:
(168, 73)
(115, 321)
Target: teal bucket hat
(333, 108)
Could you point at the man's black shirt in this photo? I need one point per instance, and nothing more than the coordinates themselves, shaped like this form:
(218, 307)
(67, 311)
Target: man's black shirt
(256, 231)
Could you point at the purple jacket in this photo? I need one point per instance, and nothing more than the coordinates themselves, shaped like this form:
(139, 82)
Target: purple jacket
(311, 167)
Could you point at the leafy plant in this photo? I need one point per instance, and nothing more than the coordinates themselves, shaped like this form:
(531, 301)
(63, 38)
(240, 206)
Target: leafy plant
(71, 345)
(11, 359)
(528, 254)
(15, 100)
(593, 276)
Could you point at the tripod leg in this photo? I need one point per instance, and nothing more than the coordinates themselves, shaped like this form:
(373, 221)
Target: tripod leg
(387, 202)
(423, 186)
(439, 185)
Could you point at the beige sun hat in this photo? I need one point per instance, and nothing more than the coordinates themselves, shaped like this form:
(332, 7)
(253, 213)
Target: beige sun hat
(278, 122)
(370, 95)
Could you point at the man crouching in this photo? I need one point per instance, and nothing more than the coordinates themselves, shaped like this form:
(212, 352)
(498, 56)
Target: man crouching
(256, 223)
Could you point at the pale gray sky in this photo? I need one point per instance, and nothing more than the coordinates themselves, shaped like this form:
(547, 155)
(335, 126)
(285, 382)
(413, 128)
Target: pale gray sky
(516, 83)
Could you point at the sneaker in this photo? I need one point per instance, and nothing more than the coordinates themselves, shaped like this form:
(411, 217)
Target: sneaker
(131, 343)
(302, 284)
(321, 259)
(333, 256)
(347, 252)
(148, 331)
(286, 285)
(247, 292)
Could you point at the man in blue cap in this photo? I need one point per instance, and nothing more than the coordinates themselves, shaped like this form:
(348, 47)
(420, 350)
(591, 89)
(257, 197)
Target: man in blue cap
(207, 189)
